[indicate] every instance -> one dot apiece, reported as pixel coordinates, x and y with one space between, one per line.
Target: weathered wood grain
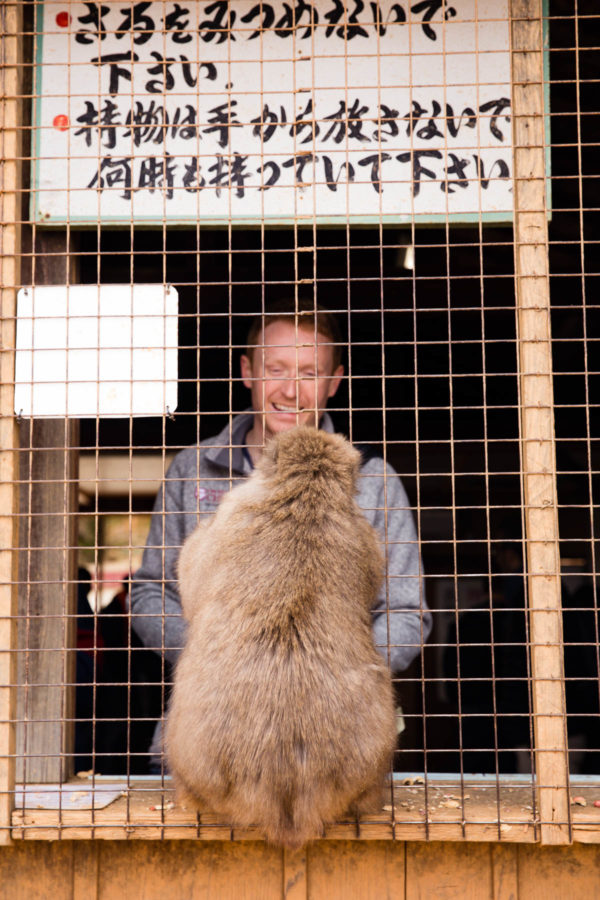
10 238
537 420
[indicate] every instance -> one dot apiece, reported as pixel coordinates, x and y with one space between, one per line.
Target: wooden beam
10 236
47 569
537 420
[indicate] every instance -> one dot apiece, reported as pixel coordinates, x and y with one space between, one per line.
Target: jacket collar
228 449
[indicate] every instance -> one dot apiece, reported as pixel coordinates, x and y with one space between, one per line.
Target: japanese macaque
282 713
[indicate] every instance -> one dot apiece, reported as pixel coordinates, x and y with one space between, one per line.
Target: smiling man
292 367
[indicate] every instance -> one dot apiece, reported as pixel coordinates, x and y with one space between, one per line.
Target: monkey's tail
296 820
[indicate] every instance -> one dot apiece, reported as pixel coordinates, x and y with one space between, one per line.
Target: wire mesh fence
426 176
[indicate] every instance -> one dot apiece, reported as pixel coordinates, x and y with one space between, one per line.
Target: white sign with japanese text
242 111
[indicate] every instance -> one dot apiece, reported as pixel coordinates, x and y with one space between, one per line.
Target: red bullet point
63 19
61 123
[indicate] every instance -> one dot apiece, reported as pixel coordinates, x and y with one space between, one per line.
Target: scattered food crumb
85 774
160 806
579 801
388 808
77 795
504 827
451 804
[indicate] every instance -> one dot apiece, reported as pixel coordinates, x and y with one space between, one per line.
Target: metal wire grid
432 383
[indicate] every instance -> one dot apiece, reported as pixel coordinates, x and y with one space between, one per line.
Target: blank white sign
89 350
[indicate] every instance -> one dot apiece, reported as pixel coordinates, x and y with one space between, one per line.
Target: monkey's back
282 713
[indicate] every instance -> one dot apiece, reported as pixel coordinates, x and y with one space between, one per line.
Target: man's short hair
308 316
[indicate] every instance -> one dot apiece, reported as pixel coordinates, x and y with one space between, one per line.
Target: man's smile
280 407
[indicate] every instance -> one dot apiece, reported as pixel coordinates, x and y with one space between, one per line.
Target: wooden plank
196 871
537 421
294 882
37 871
47 570
146 813
351 870
559 873
208 871
436 870
10 243
504 872
86 870
42 825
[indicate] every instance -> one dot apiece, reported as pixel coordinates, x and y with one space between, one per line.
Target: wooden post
10 234
47 570
537 421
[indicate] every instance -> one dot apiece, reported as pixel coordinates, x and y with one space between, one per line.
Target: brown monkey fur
282 712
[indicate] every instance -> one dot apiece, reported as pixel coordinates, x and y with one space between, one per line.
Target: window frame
538 473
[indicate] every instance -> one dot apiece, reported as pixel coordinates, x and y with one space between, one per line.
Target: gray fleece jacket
194 486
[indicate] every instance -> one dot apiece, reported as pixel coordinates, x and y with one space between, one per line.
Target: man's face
291 378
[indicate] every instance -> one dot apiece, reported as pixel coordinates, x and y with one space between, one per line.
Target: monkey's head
305 454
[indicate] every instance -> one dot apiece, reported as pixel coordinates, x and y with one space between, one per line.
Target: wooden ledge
438 811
